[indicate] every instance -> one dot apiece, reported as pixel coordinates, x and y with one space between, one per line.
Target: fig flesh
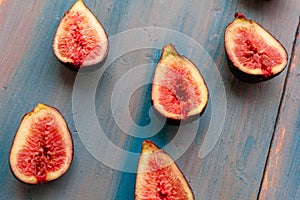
42 149
179 91
80 40
158 176
254 54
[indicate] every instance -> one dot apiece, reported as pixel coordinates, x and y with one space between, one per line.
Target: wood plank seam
279 108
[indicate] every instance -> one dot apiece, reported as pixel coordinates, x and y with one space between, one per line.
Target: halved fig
80 40
42 149
179 91
158 176
254 54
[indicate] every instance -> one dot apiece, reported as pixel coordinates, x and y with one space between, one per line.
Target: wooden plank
232 170
282 174
17 21
31 75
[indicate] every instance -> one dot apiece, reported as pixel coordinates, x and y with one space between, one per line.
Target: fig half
158 176
42 149
179 91
80 40
254 54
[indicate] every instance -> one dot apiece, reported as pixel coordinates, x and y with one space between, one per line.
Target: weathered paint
282 174
235 166
17 22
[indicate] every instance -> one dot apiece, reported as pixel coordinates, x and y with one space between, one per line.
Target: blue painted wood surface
282 174
236 166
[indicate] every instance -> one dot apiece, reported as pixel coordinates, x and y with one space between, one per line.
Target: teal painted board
30 73
36 76
282 175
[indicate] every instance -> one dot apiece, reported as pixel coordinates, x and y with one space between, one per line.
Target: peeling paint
279 145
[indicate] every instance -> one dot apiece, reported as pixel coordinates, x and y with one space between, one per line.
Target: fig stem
169 50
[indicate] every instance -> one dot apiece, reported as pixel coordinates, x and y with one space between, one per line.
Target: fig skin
178 122
169 51
156 160
247 76
18 144
90 68
86 65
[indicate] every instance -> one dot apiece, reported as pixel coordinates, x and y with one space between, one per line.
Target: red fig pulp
42 149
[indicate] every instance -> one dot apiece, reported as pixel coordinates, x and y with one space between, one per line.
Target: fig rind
179 92
80 41
258 57
42 149
158 176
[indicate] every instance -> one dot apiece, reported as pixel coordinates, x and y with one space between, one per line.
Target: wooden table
257 150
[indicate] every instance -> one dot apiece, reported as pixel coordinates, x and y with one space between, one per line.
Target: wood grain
282 174
30 73
17 22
